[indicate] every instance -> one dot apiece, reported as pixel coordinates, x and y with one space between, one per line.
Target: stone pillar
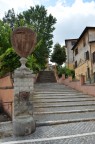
82 79
23 121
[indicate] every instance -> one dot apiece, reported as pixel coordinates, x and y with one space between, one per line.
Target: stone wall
6 94
86 89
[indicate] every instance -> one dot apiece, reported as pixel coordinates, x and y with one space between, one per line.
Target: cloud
18 5
72 15
71 20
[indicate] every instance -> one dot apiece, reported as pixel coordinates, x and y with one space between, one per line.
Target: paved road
62 114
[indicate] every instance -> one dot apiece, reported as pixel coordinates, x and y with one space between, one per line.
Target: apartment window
93 56
87 55
76 51
84 42
73 43
73 58
73 55
75 64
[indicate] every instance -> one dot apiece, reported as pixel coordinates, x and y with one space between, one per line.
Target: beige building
69 43
84 55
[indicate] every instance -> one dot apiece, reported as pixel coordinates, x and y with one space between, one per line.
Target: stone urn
23 41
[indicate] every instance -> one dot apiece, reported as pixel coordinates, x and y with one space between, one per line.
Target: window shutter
85 55
75 64
94 57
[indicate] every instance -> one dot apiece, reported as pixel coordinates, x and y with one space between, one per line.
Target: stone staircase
46 77
59 104
63 116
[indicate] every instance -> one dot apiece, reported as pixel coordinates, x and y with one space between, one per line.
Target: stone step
57 92
51 85
60 101
44 95
59 122
46 76
55 88
63 105
54 109
37 97
64 118
64 112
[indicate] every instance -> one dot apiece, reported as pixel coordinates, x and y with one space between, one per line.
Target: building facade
69 43
84 55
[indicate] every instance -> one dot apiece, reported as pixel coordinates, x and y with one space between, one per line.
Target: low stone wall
86 89
6 94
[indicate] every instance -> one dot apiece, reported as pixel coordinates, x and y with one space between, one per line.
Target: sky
72 15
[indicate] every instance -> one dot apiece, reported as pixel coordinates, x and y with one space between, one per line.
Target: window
76 51
93 57
84 42
75 64
73 55
73 43
87 55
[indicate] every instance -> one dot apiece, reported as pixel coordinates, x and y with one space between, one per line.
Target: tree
66 71
59 55
44 27
43 24
5 32
9 61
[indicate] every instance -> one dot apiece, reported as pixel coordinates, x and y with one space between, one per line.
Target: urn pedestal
23 41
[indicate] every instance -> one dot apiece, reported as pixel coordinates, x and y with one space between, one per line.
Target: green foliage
37 60
66 71
59 55
5 32
42 23
9 61
10 17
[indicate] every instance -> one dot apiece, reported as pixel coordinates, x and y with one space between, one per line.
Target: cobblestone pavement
68 117
58 131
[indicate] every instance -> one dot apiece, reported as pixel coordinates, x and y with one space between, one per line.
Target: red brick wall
6 93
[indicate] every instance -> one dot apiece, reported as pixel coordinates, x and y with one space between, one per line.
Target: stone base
24 125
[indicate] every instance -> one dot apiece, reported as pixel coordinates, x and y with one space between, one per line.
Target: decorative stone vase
23 41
